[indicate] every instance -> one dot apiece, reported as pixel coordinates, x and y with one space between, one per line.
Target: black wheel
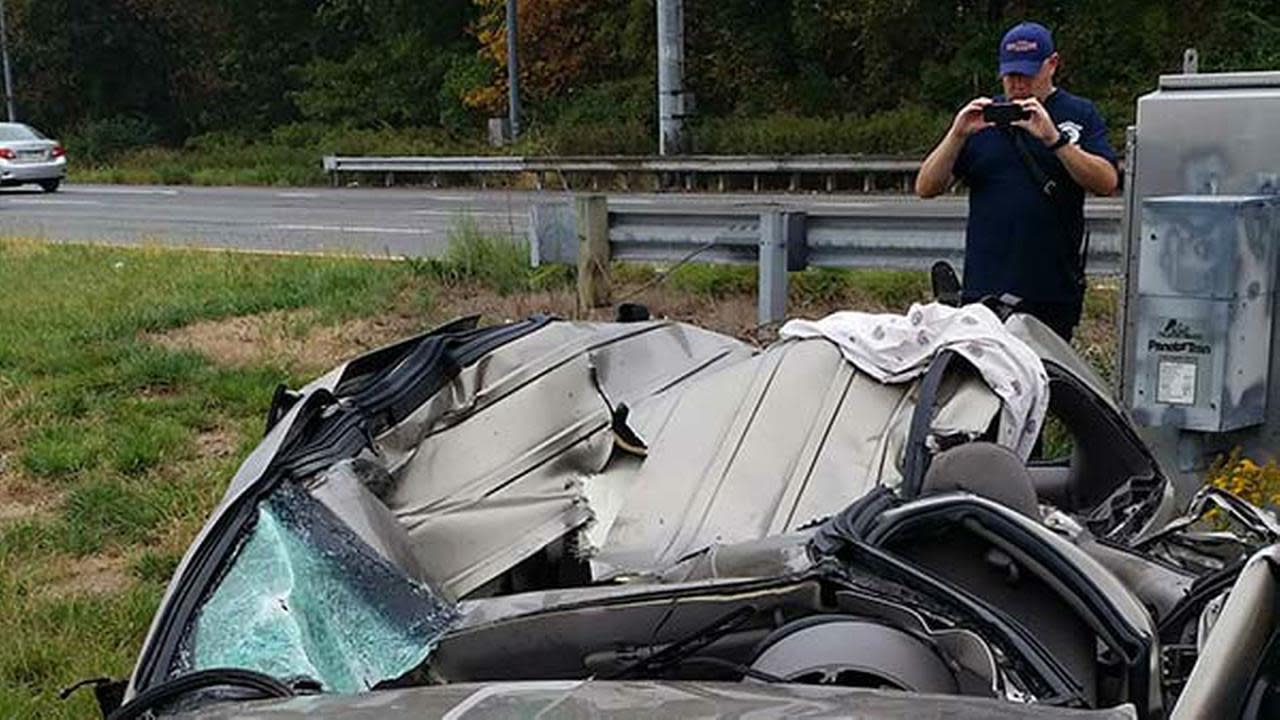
50 185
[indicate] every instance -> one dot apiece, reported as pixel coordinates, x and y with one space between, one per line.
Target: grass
116 442
102 430
497 262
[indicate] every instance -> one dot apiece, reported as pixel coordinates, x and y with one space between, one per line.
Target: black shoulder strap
1049 187
1042 180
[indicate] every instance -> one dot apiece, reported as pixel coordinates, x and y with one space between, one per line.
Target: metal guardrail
687 168
910 236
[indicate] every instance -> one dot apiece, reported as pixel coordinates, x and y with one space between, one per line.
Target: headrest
986 469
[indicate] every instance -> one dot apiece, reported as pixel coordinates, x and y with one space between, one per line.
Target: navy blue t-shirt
1016 240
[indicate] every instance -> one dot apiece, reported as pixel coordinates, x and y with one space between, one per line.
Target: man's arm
936 172
1091 172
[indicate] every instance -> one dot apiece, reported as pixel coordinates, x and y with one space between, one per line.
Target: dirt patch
464 299
292 338
91 575
733 314
328 345
217 443
233 341
296 340
19 498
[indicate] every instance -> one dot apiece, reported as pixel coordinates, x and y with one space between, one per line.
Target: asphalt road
364 221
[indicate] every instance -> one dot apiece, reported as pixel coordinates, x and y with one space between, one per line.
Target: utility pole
8 77
671 96
513 71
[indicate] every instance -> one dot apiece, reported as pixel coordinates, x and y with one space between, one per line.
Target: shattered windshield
305 598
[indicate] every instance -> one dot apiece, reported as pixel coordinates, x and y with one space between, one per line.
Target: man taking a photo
1027 167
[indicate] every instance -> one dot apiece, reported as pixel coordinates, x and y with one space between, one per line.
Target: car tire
50 185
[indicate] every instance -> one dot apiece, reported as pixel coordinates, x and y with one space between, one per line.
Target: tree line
162 71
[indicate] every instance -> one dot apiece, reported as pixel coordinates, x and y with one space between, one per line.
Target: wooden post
591 221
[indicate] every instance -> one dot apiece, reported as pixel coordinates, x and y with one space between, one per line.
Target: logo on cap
1020 46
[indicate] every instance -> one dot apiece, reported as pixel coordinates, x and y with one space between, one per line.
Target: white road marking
123 191
51 201
632 201
463 213
451 198
852 204
354 229
297 195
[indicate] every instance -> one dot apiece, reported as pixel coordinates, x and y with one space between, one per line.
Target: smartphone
1004 113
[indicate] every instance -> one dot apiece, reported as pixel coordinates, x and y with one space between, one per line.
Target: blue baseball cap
1024 49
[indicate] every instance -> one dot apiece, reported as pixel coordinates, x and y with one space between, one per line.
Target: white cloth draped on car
898 348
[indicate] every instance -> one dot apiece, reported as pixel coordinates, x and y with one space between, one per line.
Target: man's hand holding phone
1004 113
970 118
1037 123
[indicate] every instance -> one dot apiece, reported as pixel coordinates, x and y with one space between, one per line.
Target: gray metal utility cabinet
1199 365
1206 293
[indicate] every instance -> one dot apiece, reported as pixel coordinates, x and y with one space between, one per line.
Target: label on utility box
1176 382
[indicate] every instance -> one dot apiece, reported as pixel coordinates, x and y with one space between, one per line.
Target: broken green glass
306 598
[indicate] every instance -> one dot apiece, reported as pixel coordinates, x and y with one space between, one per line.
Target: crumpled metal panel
765 447
306 598
1237 643
518 449
351 489
494 466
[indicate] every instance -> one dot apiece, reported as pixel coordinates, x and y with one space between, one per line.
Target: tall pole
513 71
671 97
8 77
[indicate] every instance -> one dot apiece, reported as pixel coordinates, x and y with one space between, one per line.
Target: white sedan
27 156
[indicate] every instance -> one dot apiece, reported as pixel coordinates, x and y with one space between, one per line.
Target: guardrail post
591 220
782 248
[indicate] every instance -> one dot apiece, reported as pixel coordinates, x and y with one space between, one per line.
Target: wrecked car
574 518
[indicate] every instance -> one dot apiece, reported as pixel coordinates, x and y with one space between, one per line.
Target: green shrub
620 137
820 285
906 130
552 277
466 72
99 141
497 262
896 289
714 280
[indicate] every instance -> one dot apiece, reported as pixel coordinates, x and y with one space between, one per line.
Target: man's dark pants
1062 318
